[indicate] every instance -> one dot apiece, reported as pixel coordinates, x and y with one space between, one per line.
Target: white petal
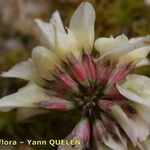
100 146
143 111
143 127
57 22
136 128
136 88
24 70
104 44
146 144
123 120
25 97
48 32
137 55
147 2
111 143
48 29
126 48
70 147
132 40
25 113
45 61
101 134
143 62
66 44
81 132
82 25
59 41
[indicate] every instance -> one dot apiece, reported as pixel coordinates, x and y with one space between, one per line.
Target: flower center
87 84
78 81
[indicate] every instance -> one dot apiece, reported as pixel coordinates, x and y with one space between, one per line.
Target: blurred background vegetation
18 36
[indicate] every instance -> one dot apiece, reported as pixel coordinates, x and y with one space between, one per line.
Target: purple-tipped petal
101 134
80 132
66 81
79 71
112 92
90 67
56 103
120 73
135 128
105 104
104 72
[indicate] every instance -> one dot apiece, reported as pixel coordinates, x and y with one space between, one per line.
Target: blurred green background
19 35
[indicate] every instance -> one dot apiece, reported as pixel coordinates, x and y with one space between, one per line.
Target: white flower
64 75
147 2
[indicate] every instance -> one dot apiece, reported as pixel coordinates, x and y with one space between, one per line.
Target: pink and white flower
64 75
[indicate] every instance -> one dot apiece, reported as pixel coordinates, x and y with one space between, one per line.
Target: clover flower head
65 75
